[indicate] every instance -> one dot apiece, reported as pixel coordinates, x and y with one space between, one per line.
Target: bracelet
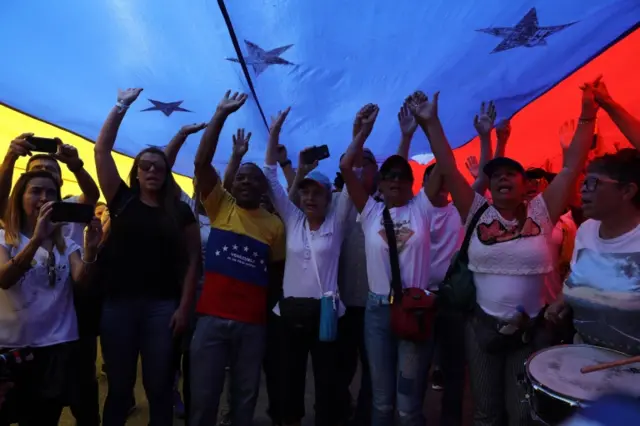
77 169
89 263
121 106
585 120
285 163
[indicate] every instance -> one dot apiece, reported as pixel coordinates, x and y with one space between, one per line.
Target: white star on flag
225 248
255 254
246 248
235 247
217 252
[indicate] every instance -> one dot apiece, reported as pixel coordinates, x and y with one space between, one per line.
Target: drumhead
558 370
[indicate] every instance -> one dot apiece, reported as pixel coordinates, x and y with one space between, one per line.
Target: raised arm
627 123
68 154
365 119
426 114
279 197
205 173
408 127
19 147
240 148
173 148
285 165
108 175
483 123
556 196
302 172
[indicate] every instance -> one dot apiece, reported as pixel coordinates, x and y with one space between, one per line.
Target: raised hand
128 96
44 227
278 121
304 168
503 130
601 93
241 143
566 132
67 154
369 114
190 129
472 165
484 120
92 234
20 146
422 109
589 105
231 103
407 123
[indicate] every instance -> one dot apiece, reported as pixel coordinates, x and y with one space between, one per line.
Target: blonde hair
14 214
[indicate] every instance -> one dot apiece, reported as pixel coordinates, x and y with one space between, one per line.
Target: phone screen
72 212
48 145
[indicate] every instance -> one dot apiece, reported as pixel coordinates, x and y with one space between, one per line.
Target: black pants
352 349
186 385
84 403
42 387
271 367
297 341
450 338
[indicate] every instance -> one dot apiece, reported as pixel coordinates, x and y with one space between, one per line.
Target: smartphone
48 145
72 212
315 153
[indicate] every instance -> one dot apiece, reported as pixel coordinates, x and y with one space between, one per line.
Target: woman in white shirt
399 368
509 255
603 289
37 268
314 237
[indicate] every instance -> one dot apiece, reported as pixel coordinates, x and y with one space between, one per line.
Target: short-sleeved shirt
604 288
412 224
33 312
241 245
145 252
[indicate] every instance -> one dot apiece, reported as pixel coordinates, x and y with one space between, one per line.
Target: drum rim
557 394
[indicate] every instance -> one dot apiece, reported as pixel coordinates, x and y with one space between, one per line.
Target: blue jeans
218 342
399 369
132 328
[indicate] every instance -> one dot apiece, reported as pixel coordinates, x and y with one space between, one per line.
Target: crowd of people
247 276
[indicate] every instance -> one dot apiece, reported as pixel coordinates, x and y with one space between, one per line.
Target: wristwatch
285 163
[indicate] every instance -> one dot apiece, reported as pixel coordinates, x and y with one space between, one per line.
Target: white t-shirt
32 313
604 287
412 224
509 265
447 234
311 263
74 231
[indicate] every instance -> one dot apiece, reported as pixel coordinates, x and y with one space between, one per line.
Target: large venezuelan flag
235 277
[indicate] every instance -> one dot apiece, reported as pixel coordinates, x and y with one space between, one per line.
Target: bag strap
396 279
313 256
463 254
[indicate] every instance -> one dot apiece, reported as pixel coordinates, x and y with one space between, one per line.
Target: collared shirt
302 266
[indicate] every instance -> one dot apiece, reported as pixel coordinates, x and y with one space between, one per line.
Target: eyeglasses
395 174
51 269
146 165
591 183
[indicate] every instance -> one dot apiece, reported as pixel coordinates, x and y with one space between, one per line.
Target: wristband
86 262
121 106
78 168
285 163
585 120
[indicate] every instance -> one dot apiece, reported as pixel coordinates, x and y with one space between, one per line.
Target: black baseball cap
536 173
399 161
500 162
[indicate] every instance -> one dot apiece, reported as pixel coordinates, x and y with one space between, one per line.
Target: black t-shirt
145 252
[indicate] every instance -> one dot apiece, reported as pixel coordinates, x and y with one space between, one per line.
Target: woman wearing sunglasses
37 268
148 270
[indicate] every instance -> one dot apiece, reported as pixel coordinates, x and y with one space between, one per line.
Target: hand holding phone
315 153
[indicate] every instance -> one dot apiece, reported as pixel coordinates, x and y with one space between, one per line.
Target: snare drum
556 388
